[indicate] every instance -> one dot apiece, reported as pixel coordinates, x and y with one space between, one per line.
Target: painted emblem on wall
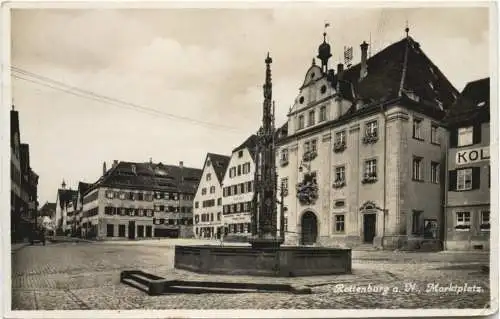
307 190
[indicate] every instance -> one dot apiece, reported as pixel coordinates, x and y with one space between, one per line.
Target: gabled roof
250 143
48 208
399 68
472 104
82 187
150 176
219 163
66 196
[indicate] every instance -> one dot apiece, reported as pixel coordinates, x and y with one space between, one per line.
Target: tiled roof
151 176
82 187
473 102
250 143
402 66
66 196
219 163
48 208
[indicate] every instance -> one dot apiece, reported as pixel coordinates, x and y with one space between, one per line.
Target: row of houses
386 153
24 184
130 200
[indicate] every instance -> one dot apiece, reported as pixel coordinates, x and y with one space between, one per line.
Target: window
434 134
434 172
340 137
371 128
417 129
203 191
465 136
284 155
284 186
339 174
240 153
209 176
463 221
301 122
313 146
415 223
196 204
417 169
122 195
249 186
485 221
285 222
307 147
464 179
212 189
322 114
218 216
312 118
339 223
219 201
109 194
371 168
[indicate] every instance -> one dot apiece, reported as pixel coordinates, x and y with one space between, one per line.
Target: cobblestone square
73 276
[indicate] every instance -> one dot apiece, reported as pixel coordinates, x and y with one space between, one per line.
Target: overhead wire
35 78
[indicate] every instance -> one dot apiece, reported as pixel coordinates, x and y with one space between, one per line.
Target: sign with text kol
473 155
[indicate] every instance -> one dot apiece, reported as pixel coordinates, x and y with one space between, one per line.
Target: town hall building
361 155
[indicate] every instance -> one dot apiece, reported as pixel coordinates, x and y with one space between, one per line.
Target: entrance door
309 228
369 223
131 229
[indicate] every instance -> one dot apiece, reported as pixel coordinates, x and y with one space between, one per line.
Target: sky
203 65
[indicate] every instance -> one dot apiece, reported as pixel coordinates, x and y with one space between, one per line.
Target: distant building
208 221
469 170
362 154
48 209
238 189
82 188
141 200
65 209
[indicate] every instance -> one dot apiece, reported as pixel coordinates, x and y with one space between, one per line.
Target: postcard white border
5 271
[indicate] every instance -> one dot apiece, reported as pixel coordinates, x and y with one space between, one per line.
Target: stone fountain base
284 261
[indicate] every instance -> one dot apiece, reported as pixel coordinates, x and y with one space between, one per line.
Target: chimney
115 163
364 55
104 170
181 164
150 160
340 71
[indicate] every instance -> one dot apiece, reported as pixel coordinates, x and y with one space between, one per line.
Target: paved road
69 276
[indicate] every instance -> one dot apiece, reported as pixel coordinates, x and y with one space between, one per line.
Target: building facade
207 209
238 190
468 183
362 147
65 209
24 184
141 200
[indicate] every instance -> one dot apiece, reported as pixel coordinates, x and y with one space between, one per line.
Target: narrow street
71 276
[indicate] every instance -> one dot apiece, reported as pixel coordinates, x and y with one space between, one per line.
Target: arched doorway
309 228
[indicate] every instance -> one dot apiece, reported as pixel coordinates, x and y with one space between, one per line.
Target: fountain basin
285 261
